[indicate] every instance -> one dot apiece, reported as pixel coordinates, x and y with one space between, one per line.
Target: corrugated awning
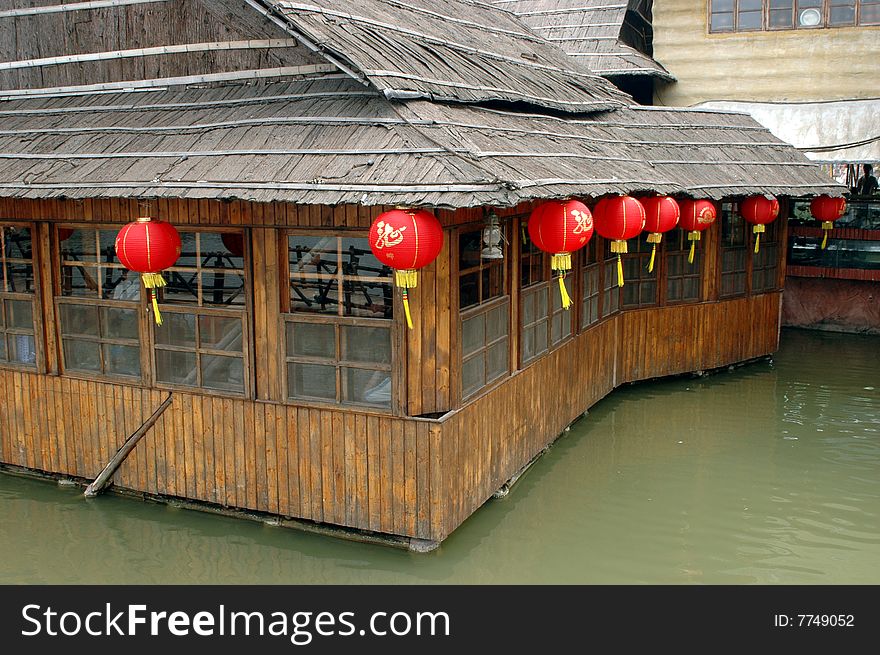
835 131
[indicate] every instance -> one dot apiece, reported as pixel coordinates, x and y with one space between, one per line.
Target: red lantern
234 243
148 247
560 228
696 216
406 240
759 210
619 218
661 215
827 209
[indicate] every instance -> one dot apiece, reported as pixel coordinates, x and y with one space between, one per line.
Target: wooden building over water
272 133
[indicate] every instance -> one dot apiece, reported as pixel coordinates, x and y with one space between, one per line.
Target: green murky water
766 474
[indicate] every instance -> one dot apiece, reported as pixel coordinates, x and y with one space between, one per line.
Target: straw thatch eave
331 141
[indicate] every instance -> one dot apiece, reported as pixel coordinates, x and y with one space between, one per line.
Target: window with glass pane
485 312
764 266
869 12
780 14
339 362
338 275
734 252
590 280
97 305
201 342
751 15
640 287
338 322
682 277
485 347
479 280
17 343
610 289
543 322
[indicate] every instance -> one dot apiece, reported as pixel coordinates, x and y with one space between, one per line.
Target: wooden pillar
711 253
267 326
45 323
429 344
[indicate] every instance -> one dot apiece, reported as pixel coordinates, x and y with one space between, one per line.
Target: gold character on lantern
388 236
583 222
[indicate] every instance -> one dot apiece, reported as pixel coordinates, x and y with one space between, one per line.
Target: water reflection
764 474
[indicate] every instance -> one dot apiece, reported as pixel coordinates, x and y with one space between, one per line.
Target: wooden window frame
609 288
766 11
146 327
760 262
642 257
743 248
338 320
692 271
546 283
487 265
588 263
505 265
35 298
483 351
59 300
243 311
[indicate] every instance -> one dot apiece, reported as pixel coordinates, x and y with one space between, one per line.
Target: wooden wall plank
341 499
268 485
316 477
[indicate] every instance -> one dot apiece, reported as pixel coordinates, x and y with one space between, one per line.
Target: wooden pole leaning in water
103 479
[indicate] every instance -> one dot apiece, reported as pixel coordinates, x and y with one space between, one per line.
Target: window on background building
98 302
590 281
337 319
484 302
640 287
201 342
764 262
683 278
734 251
17 343
543 322
755 15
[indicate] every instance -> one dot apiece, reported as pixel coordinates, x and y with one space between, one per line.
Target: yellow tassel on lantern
827 226
758 230
653 237
153 281
619 247
693 237
406 279
566 299
561 261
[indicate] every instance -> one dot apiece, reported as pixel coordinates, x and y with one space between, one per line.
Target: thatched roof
447 50
589 31
331 141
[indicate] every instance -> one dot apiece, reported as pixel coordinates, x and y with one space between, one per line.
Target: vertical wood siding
365 470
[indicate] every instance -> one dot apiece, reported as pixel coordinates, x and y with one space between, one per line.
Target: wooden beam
218 153
308 43
134 85
73 6
253 44
105 475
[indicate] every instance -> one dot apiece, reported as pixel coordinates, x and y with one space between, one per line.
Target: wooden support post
103 479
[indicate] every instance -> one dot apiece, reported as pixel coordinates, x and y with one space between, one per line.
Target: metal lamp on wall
493 237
